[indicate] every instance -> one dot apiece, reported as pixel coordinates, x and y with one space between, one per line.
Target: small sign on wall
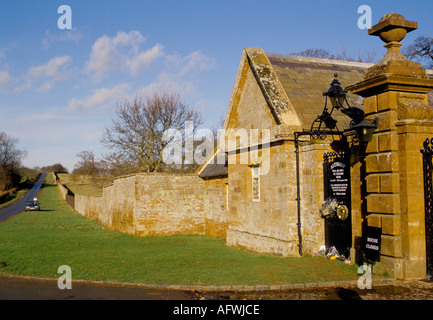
372 243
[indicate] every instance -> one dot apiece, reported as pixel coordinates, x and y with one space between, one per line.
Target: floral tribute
331 208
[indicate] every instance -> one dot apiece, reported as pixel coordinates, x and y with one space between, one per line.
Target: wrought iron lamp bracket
325 124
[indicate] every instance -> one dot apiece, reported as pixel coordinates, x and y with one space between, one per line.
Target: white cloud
45 87
40 117
61 35
141 62
191 64
121 53
179 74
45 75
101 98
6 81
42 77
54 69
169 83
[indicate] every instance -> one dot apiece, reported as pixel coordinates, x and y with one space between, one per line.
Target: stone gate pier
395 90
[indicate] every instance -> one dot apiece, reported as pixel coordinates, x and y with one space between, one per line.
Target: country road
19 206
22 288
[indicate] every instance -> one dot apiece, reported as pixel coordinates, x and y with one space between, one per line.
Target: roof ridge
318 60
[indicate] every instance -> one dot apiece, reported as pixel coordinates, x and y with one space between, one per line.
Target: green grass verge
82 184
16 197
37 243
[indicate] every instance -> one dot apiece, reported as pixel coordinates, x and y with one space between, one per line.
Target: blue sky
59 88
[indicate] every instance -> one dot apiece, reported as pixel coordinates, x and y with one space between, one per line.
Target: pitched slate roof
212 168
305 79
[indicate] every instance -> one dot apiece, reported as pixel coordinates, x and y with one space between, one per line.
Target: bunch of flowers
331 208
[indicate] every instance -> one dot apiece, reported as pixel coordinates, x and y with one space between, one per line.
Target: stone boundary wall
169 205
148 205
65 193
62 189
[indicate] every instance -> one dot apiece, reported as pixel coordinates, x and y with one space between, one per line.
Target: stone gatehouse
262 188
281 94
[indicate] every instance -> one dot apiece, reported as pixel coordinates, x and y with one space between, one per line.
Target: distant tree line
369 56
57 167
13 175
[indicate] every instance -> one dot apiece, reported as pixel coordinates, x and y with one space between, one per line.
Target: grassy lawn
82 184
37 243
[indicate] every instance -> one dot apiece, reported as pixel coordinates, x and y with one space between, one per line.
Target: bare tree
137 132
90 166
421 50
116 164
87 163
314 53
10 161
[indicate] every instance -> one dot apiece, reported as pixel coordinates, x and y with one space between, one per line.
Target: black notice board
336 182
372 243
339 178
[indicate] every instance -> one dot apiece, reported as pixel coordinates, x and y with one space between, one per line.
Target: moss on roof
305 79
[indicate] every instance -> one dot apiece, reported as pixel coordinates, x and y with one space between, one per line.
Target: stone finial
392 29
394 72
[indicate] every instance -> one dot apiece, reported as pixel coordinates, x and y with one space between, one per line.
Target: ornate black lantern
325 124
365 129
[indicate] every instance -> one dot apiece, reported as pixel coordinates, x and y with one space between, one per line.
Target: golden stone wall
157 205
267 225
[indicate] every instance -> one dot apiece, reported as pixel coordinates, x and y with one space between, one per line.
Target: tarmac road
22 288
28 288
19 206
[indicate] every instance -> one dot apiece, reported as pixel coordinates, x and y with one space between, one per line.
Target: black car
33 205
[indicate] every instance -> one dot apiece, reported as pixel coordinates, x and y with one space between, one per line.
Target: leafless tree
10 161
87 164
314 53
116 164
421 50
90 166
137 131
